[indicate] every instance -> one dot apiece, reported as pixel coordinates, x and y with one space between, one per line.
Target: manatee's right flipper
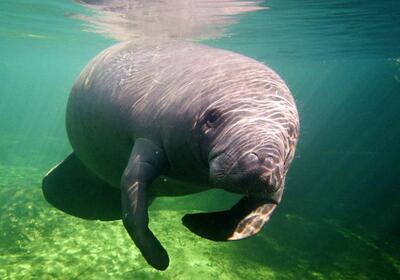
74 189
146 163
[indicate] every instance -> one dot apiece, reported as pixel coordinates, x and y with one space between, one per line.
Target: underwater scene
339 216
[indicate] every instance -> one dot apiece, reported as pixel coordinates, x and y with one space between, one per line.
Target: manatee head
249 135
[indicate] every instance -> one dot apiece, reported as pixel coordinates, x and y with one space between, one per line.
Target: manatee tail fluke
72 188
244 219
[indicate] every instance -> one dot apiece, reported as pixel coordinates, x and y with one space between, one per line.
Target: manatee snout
259 172
256 173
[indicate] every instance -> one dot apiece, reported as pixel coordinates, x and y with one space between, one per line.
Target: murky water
340 214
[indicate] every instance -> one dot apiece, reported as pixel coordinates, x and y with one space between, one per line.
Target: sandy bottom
41 242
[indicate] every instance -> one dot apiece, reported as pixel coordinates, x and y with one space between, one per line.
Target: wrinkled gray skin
175 118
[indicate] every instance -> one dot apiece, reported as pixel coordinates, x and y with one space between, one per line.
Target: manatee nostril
253 157
269 162
261 158
270 158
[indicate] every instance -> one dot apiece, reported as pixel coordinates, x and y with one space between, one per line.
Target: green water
340 214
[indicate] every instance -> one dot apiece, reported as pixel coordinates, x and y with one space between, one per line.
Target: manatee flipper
74 189
244 219
145 164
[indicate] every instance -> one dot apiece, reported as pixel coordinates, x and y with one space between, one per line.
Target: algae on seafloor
41 242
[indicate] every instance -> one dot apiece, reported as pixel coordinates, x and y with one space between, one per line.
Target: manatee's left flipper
146 163
243 220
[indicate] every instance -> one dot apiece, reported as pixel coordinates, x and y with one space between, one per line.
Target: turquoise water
340 214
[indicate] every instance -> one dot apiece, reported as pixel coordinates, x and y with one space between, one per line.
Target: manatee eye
212 117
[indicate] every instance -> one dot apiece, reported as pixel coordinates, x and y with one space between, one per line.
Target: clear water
340 215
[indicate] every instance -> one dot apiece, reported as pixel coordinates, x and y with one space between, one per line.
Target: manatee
174 118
